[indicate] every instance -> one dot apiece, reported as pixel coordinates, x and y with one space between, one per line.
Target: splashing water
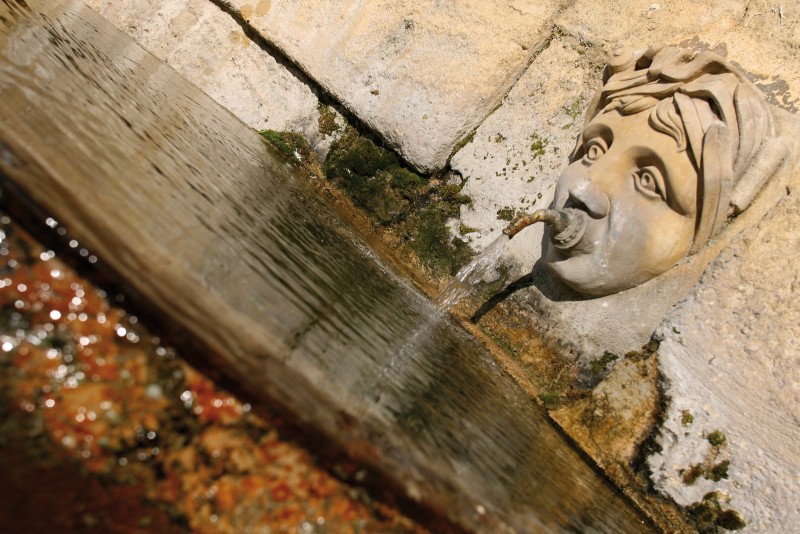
468 276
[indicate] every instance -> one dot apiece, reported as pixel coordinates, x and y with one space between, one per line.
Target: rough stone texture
730 358
762 36
208 48
423 73
614 420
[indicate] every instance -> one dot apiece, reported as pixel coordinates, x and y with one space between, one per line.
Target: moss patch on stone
470 137
710 468
686 418
716 438
600 365
401 200
506 214
327 120
710 516
538 145
295 147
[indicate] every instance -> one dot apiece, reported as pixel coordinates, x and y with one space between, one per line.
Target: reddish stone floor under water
103 428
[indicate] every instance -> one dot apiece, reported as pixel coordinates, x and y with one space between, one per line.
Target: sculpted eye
649 182
594 149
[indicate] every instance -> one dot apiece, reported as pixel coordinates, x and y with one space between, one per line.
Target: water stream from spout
468 277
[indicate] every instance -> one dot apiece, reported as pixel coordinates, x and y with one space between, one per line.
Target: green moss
283 141
730 520
710 516
433 244
464 142
652 346
506 214
295 147
691 475
717 438
549 399
601 364
463 229
394 196
686 418
574 109
538 145
499 138
327 120
719 471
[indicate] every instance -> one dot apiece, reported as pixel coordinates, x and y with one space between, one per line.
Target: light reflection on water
143 165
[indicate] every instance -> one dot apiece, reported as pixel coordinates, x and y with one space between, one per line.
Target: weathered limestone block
208 48
421 73
618 416
729 356
761 36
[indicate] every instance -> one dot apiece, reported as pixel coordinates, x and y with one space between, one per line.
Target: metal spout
567 226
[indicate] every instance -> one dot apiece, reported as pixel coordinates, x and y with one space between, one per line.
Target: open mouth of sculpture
570 230
567 226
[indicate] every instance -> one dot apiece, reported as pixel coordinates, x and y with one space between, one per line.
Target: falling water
465 280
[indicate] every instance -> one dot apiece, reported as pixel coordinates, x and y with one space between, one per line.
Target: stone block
208 48
420 73
518 152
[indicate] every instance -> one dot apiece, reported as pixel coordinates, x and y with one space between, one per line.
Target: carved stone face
639 193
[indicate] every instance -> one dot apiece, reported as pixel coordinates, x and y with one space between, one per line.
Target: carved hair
709 108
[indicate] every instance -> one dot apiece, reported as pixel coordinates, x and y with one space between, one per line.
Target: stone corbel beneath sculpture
678 154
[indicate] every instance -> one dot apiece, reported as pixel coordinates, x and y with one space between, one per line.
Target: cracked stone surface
208 48
423 73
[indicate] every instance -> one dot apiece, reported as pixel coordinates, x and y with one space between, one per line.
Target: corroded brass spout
567 226
557 220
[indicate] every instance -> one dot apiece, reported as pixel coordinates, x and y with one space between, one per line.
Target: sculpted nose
584 192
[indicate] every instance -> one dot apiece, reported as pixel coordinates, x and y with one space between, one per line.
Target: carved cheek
669 240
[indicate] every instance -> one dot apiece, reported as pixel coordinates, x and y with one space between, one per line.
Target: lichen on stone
327 120
710 516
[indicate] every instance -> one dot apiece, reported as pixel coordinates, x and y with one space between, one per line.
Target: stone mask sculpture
670 150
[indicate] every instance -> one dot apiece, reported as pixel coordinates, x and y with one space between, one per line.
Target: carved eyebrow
592 131
598 130
674 199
